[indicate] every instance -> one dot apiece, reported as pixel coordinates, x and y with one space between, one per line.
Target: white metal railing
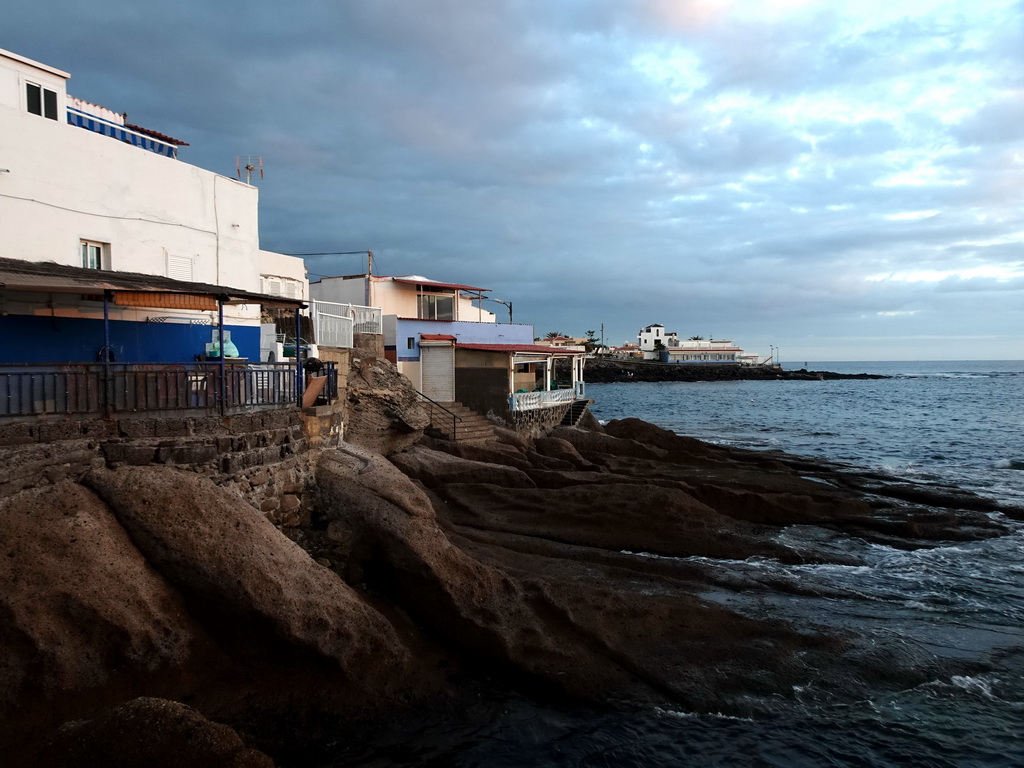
330 317
333 331
528 401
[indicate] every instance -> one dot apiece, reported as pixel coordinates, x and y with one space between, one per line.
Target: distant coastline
610 371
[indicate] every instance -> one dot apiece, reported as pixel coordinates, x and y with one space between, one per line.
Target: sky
831 180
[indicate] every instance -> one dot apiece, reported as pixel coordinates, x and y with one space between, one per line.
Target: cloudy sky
843 181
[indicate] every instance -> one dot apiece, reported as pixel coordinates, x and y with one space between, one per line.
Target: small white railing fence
335 323
528 401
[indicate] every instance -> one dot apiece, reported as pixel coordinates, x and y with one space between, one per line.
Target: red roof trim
433 284
521 348
437 337
156 135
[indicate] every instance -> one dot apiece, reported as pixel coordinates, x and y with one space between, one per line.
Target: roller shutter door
438 369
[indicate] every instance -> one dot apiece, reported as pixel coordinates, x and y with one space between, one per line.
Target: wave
1009 464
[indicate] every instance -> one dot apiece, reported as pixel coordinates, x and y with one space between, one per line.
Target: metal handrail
434 404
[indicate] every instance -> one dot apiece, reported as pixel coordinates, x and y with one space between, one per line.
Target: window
41 101
410 342
92 254
436 307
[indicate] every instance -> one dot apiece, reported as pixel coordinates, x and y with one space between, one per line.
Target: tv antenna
252 165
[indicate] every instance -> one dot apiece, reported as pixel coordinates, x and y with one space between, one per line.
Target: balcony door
437 366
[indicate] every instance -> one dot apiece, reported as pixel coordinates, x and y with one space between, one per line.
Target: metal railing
528 401
434 409
363 319
334 330
97 388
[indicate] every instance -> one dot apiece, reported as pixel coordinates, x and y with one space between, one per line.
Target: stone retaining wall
267 457
537 421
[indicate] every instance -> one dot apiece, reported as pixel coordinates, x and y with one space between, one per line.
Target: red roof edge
540 350
156 135
436 337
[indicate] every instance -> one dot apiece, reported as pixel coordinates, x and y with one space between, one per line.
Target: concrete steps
575 412
469 426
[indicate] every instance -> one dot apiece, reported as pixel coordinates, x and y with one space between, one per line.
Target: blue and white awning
121 133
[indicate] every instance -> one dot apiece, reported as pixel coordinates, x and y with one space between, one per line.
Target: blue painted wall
33 339
465 332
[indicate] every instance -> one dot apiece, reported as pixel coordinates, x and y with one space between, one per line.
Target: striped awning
121 133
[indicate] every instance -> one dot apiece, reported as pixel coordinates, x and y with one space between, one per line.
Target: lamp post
499 301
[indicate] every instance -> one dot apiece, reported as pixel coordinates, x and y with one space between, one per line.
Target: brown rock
150 733
434 467
85 620
634 517
384 413
250 584
596 443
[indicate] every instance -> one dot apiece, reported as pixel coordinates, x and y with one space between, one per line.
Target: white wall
16 70
66 184
286 273
340 290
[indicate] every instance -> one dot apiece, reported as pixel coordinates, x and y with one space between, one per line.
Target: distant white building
652 338
658 344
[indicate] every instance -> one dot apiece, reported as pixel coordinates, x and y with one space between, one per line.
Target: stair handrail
434 404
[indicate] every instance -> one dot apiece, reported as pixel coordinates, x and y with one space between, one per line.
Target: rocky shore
605 371
153 616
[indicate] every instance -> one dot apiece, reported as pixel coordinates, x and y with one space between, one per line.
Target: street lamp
499 301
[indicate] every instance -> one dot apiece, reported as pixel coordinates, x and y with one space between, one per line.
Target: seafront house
113 252
657 344
457 355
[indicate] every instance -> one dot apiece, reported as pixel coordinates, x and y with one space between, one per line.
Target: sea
956 423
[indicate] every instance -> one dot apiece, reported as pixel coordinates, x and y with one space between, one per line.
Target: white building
452 349
653 338
657 344
80 187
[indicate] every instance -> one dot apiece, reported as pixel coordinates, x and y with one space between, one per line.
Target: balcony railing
335 323
98 389
528 401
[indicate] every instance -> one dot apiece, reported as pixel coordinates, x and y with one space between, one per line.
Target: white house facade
81 187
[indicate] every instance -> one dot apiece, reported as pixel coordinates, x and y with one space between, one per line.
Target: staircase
576 410
469 425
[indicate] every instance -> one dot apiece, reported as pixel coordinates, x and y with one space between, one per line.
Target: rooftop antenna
251 166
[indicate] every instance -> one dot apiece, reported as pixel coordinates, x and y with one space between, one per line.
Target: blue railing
102 389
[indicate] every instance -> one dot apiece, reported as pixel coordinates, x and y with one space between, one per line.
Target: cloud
738 165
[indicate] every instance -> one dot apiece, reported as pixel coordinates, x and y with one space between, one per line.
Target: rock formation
574 565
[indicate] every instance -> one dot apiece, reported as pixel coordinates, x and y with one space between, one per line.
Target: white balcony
335 324
530 401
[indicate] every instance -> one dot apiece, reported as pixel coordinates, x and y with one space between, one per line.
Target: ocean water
955 423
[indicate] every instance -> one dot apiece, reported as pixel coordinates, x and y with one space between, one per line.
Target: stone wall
267 457
536 422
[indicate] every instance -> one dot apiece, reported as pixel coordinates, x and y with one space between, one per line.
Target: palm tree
554 335
696 338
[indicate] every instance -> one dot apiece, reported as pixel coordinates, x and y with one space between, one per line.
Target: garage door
438 369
